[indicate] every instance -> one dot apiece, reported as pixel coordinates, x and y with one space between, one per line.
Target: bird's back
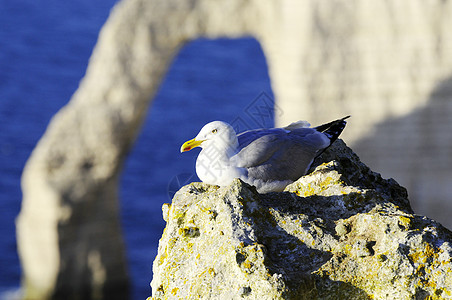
279 154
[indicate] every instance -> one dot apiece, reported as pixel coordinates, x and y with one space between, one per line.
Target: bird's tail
333 129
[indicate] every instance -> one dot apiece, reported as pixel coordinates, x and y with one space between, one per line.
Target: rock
340 232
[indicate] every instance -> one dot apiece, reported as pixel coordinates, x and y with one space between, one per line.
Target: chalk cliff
341 232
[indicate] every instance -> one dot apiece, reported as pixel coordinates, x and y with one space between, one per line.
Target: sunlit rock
340 232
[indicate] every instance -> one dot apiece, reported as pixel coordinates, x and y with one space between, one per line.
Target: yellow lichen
178 214
318 187
424 255
174 291
163 256
347 248
309 191
172 243
405 221
189 231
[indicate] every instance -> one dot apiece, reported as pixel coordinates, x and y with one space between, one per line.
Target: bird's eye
214 131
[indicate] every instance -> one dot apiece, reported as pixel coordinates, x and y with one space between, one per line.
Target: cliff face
341 232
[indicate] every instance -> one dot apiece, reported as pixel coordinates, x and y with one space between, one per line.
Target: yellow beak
188 145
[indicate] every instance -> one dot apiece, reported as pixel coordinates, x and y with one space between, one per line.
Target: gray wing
245 138
279 154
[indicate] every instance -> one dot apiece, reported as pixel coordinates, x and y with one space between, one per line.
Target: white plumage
269 159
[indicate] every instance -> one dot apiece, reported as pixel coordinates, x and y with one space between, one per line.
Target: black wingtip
333 129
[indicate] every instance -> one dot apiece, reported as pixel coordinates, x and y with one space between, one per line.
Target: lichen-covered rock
340 232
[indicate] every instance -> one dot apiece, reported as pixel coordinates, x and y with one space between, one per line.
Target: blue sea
45 46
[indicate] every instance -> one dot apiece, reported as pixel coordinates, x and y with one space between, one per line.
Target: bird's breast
216 170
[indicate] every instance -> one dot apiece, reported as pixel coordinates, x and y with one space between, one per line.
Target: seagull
269 159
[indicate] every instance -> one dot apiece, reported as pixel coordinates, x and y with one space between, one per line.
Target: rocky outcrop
340 232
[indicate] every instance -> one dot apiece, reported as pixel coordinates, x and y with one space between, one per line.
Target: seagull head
217 133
